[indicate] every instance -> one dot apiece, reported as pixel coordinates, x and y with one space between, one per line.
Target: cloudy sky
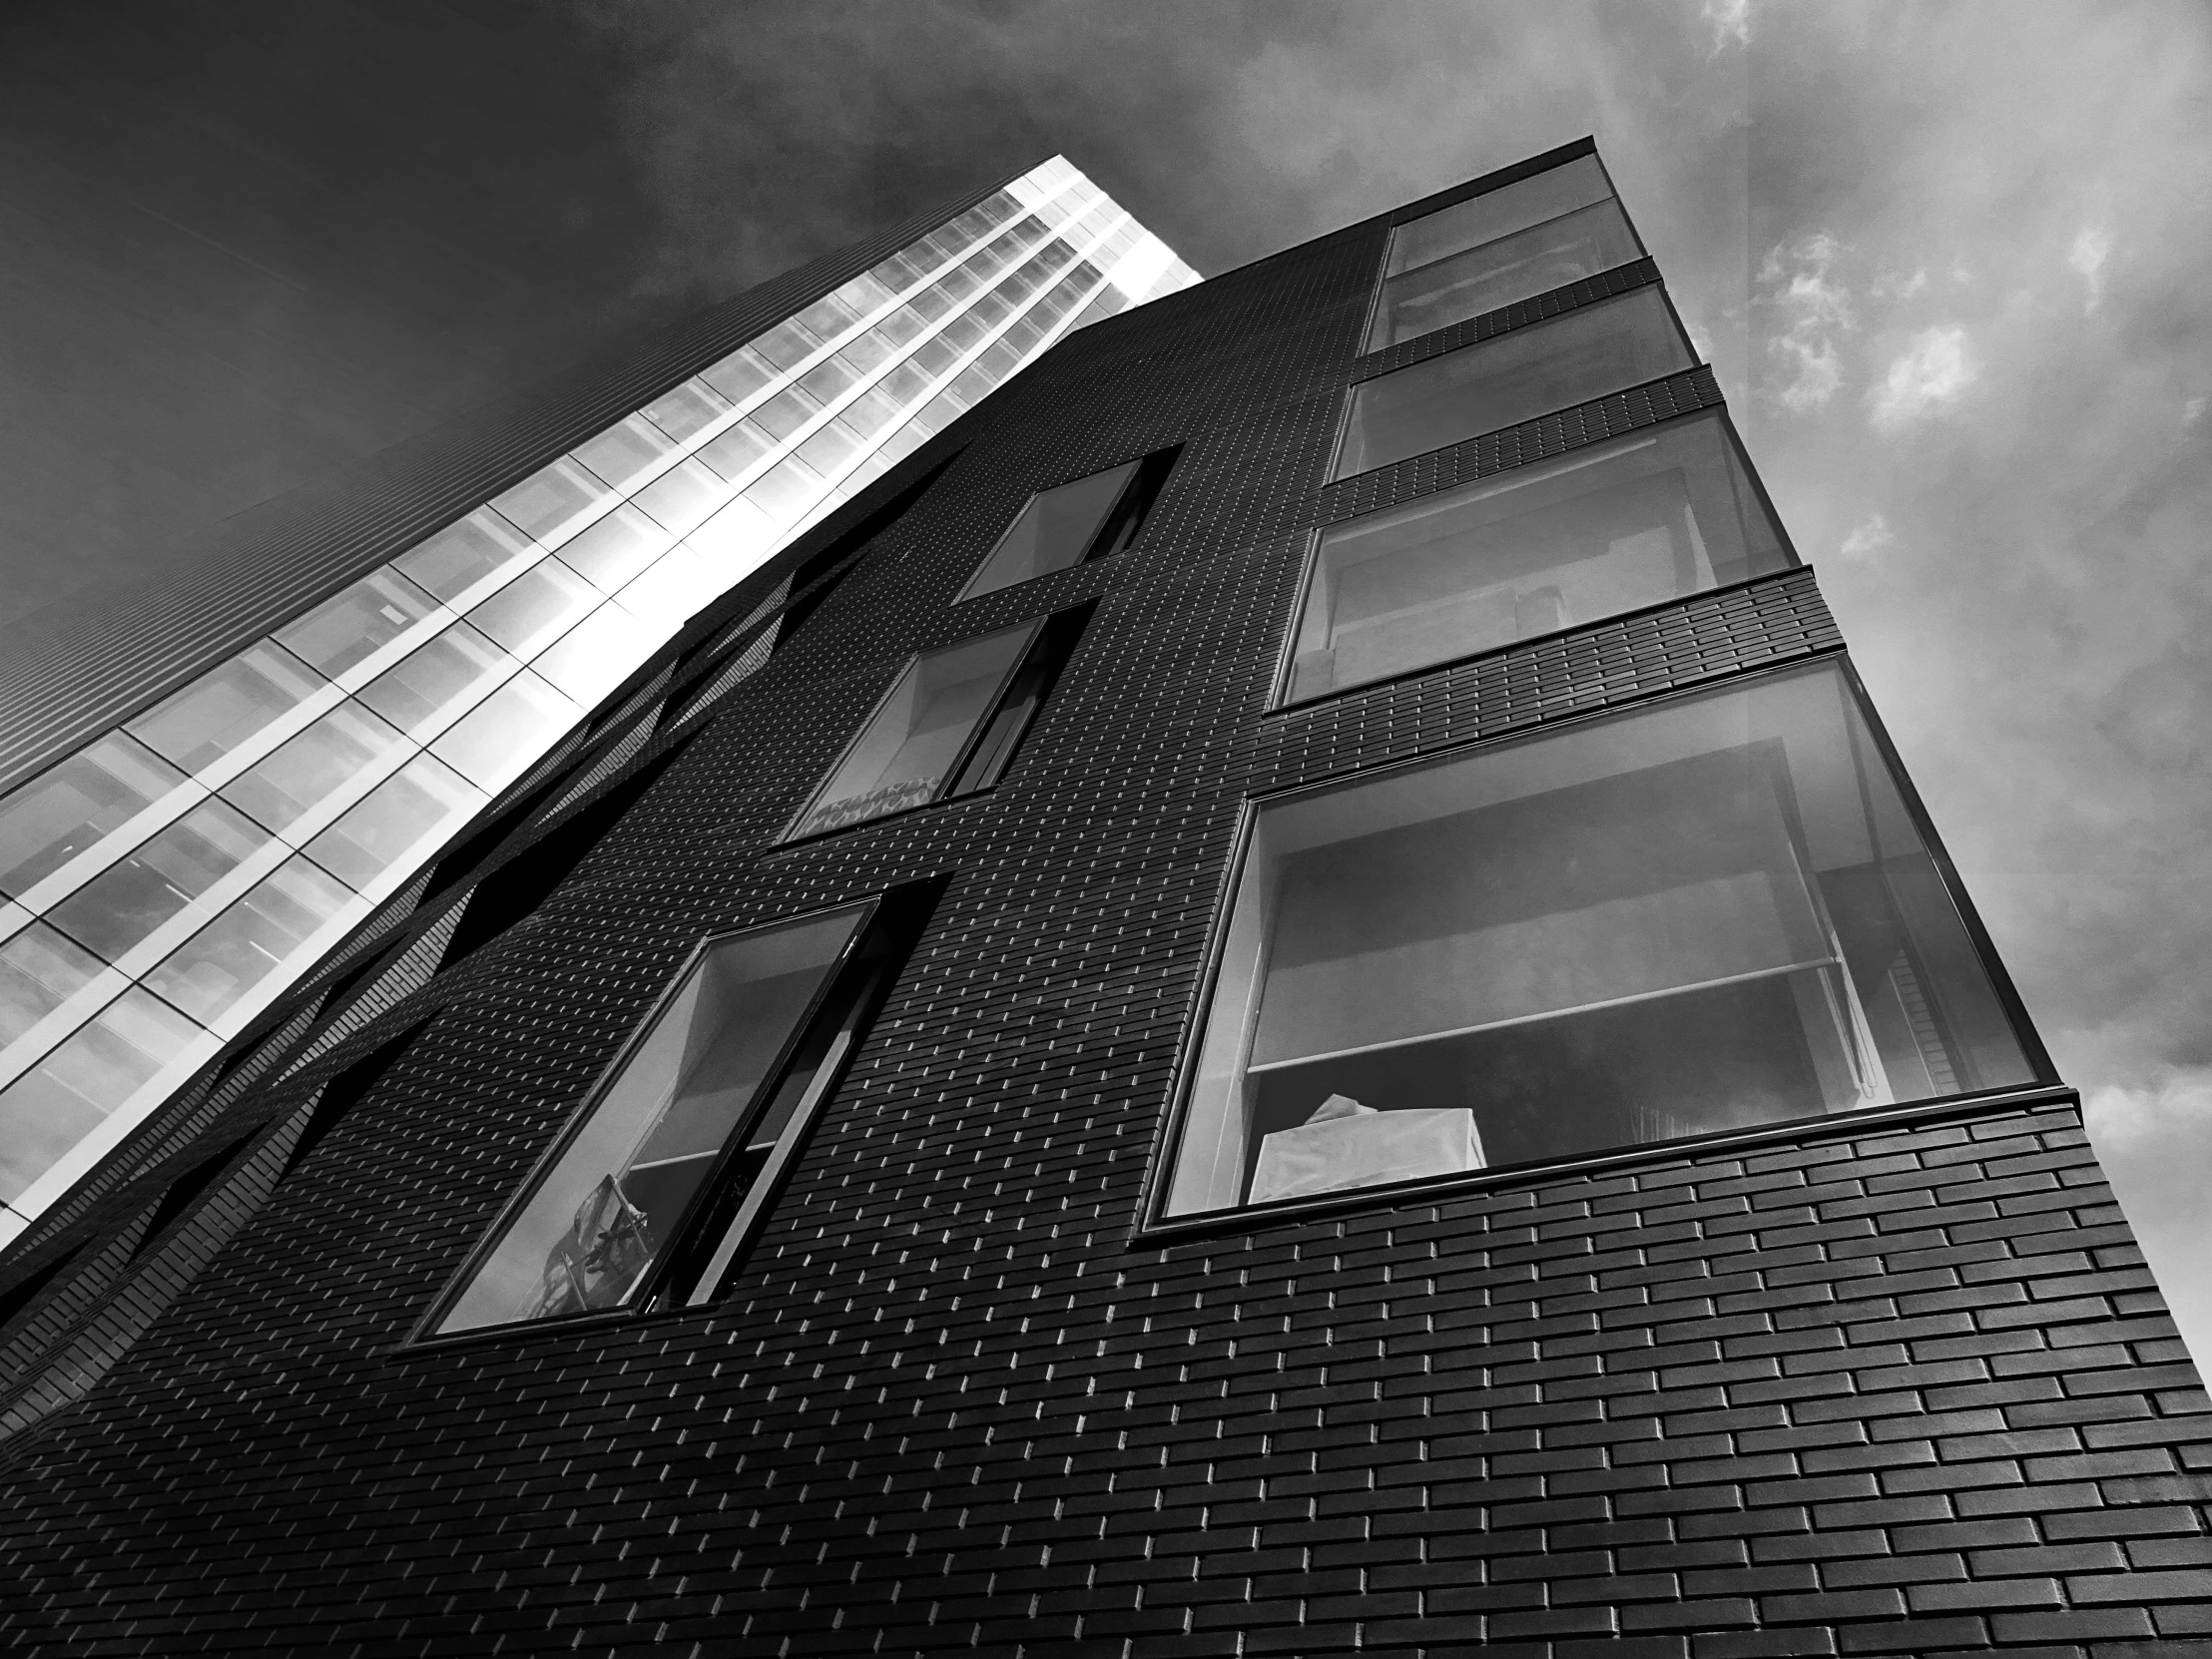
1948 259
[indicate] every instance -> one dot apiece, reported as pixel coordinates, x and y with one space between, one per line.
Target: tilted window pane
314 767
67 1095
536 608
1497 212
552 502
492 743
1502 272
624 453
596 654
351 624
682 496
785 490
611 1199
428 689
1633 522
125 903
610 552
226 706
1052 532
66 809
39 972
733 451
463 554
1715 913
784 347
691 407
1533 371
399 823
272 928
910 744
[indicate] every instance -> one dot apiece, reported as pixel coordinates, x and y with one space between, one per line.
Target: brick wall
1887 1384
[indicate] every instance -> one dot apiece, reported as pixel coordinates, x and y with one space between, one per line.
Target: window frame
685 1247
1154 1223
1149 472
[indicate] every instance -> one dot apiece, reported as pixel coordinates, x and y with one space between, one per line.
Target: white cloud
1931 372
2090 246
1814 310
2192 411
2120 1116
1730 20
1868 541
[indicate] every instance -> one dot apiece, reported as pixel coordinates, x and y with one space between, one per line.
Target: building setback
1279 997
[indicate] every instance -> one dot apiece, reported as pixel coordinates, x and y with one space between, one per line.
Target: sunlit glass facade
159 887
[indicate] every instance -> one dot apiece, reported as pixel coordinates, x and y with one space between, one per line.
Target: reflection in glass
683 495
39 972
354 623
691 407
64 809
536 608
427 689
262 932
552 502
463 554
739 376
1497 273
910 744
62 1098
610 552
396 824
1712 915
612 1198
127 901
1529 551
1497 212
595 656
731 451
226 706
625 452
1516 377
1053 531
494 742
312 768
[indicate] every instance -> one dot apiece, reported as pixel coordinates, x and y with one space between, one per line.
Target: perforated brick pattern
1873 1387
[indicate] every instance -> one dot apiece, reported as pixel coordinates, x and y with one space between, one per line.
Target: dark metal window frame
1140 493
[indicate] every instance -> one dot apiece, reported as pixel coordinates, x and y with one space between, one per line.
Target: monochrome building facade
1277 996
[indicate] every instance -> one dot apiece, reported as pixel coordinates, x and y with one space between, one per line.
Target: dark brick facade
1895 1384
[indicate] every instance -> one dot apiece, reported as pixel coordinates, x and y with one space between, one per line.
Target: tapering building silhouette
1279 997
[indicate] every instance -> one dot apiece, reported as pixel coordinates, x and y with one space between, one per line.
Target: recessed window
1091 518
1496 249
1516 377
659 1181
948 725
1645 518
1713 915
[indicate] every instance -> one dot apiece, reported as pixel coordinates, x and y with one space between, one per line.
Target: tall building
1295 1006
227 774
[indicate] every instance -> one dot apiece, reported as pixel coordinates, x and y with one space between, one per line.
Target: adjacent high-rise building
207 816
1280 997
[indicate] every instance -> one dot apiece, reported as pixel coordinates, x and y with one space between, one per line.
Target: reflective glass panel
610 552
691 407
682 496
552 502
351 624
1502 272
39 972
536 608
226 706
741 374
492 743
398 824
270 928
1497 212
625 452
596 654
1052 532
427 689
463 554
611 1199
731 451
64 809
62 1098
313 767
1713 914
125 903
1645 518
1516 377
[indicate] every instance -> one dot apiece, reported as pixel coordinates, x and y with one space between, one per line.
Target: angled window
1645 518
657 1183
948 725
1532 371
1500 247
1091 518
1715 913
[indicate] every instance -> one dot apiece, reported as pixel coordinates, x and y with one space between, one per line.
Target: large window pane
691 407
226 706
398 824
536 608
1053 531
1498 274
429 688
492 743
1633 522
1713 915
625 452
907 751
682 496
272 928
1480 388
67 1095
553 502
312 767
129 900
353 624
39 972
611 1199
597 655
1497 212
68 807
610 552
461 555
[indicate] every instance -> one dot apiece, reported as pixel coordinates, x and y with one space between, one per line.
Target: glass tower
160 886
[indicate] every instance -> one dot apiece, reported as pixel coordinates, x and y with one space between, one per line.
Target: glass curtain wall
161 886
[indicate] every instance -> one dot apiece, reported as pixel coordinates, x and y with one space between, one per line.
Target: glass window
494 742
786 413
226 706
786 346
910 745
1091 518
597 655
732 452
830 447
692 1104
1516 377
397 824
39 972
354 624
463 554
67 1095
127 901
428 689
828 317
732 542
314 767
1498 274
683 496
272 927
669 591
67 807
1645 518
626 452
536 608
1497 212
744 373
867 351
552 502
1715 913
826 381
609 553
785 490
693 406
